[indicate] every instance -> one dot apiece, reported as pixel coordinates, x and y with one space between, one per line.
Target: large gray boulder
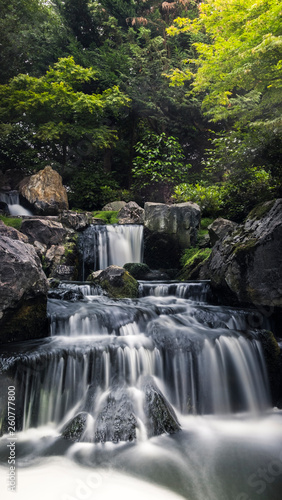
23 289
168 230
45 192
181 221
246 264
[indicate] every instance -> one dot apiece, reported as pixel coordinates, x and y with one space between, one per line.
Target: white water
106 245
204 359
14 206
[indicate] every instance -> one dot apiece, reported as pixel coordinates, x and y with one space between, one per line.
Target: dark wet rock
131 213
161 417
75 428
116 421
4 208
66 294
23 289
246 265
220 228
137 270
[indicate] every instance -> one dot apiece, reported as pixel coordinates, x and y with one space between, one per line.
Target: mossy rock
118 283
192 259
28 321
261 210
137 270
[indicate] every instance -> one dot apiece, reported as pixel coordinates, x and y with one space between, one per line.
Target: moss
14 222
241 249
29 321
260 210
205 223
192 260
110 217
127 288
137 270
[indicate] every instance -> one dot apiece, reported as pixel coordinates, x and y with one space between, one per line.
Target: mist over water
105 359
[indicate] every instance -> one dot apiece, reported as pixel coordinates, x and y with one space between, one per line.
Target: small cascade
11 198
194 291
105 245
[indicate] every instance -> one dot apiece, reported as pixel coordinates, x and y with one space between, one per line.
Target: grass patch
110 217
191 255
14 222
205 222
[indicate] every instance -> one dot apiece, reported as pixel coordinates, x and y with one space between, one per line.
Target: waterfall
168 388
105 245
13 202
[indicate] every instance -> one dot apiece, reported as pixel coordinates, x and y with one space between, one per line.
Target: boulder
137 270
70 294
116 421
220 228
75 428
45 231
246 265
180 221
131 213
12 233
168 230
45 192
23 289
75 220
161 417
114 206
118 283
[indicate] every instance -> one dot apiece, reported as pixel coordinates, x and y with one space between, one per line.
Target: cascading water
105 245
11 198
167 388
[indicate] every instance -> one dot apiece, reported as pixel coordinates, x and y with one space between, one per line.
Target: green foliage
91 188
209 198
14 222
159 163
56 109
240 72
110 217
190 255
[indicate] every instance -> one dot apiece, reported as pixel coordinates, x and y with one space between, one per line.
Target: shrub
209 198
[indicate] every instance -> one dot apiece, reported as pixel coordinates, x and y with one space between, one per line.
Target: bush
209 198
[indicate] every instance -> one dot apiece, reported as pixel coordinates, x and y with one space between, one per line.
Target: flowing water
13 202
174 394
104 245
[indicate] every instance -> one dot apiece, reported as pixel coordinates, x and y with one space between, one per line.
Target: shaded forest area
145 100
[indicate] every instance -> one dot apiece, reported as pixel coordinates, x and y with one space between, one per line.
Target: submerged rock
23 289
71 294
116 422
75 428
45 192
161 417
